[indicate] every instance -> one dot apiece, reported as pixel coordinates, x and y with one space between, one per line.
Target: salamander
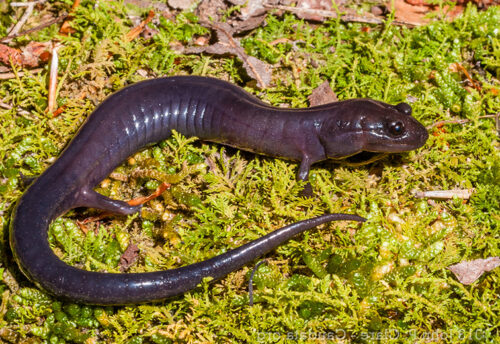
212 110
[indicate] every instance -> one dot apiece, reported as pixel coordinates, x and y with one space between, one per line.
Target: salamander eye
396 128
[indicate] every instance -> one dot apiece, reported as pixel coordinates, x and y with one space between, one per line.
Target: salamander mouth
384 143
395 148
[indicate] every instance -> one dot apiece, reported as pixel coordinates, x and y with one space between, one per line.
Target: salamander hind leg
92 199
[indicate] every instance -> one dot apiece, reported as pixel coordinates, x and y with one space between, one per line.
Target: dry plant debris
468 272
29 56
227 44
129 257
323 94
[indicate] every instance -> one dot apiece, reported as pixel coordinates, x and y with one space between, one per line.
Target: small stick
23 20
141 200
332 14
61 109
136 31
34 29
467 75
54 65
445 194
24 4
5 106
457 121
11 75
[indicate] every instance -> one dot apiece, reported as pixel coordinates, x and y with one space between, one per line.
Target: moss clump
386 278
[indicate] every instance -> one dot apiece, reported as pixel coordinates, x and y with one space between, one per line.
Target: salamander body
211 110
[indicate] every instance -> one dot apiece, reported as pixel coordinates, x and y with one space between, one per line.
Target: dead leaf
29 56
324 5
410 13
415 11
136 31
468 272
201 41
128 257
250 16
379 10
66 26
322 94
181 4
210 10
253 8
227 44
445 194
249 24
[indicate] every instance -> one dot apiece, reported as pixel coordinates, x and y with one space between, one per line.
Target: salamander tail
92 199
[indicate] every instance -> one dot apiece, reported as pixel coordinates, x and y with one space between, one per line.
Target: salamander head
372 126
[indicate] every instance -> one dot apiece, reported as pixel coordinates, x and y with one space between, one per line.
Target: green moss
342 281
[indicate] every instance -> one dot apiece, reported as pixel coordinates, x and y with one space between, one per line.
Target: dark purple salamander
212 110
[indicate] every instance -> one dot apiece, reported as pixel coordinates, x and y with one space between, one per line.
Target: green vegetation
387 277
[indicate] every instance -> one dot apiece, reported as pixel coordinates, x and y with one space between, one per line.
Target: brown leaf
227 44
201 41
322 94
8 54
468 272
29 56
410 13
325 5
66 26
249 24
129 257
210 10
253 8
416 11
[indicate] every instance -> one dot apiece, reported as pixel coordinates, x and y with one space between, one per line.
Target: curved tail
43 267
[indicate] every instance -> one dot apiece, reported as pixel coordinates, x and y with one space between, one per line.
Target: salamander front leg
303 174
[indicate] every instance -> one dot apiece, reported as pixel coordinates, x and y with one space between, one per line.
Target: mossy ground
383 281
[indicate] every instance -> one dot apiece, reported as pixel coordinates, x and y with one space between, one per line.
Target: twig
54 66
136 31
11 75
332 14
36 28
141 200
457 121
445 194
24 4
5 106
227 44
23 20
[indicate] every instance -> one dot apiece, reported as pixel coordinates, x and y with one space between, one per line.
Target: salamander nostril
404 108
